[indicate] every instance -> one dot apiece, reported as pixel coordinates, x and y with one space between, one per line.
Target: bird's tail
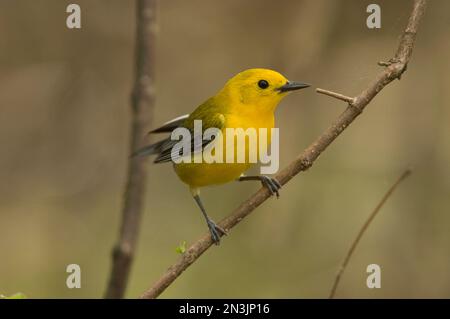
149 149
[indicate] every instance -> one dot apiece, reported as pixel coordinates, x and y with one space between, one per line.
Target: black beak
291 86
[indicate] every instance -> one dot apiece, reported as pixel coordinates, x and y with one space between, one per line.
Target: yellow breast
203 174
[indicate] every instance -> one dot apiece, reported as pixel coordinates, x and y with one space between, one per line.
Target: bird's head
260 88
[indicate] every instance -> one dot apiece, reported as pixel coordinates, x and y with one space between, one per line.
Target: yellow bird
248 100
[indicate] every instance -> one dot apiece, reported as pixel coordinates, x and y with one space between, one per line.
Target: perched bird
248 100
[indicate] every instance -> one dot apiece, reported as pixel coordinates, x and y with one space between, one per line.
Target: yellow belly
204 174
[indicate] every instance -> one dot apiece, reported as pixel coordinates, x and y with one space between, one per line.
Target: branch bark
305 160
363 229
142 103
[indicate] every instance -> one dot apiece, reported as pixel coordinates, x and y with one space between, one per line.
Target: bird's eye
263 84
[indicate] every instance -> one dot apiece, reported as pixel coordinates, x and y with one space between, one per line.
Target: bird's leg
271 183
215 230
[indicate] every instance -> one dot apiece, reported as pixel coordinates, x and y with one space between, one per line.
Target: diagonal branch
306 159
142 101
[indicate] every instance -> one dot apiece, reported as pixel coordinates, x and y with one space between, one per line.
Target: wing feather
212 116
197 142
171 125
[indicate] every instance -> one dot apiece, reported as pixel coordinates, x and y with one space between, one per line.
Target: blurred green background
64 131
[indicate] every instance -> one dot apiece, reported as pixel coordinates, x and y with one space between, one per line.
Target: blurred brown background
64 127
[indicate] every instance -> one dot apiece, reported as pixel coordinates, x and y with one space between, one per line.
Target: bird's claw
271 184
216 231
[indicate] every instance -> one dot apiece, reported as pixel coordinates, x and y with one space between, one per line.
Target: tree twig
307 157
363 229
338 96
142 102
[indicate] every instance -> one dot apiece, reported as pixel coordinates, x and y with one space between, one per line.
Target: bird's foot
216 231
271 184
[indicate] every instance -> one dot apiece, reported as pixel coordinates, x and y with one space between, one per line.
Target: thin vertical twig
142 103
363 230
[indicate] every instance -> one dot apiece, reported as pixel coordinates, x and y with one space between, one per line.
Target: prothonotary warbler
248 100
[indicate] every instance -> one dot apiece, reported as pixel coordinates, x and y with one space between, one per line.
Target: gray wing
172 149
159 146
171 125
165 148
168 149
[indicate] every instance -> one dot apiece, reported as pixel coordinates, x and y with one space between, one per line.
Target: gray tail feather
149 149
